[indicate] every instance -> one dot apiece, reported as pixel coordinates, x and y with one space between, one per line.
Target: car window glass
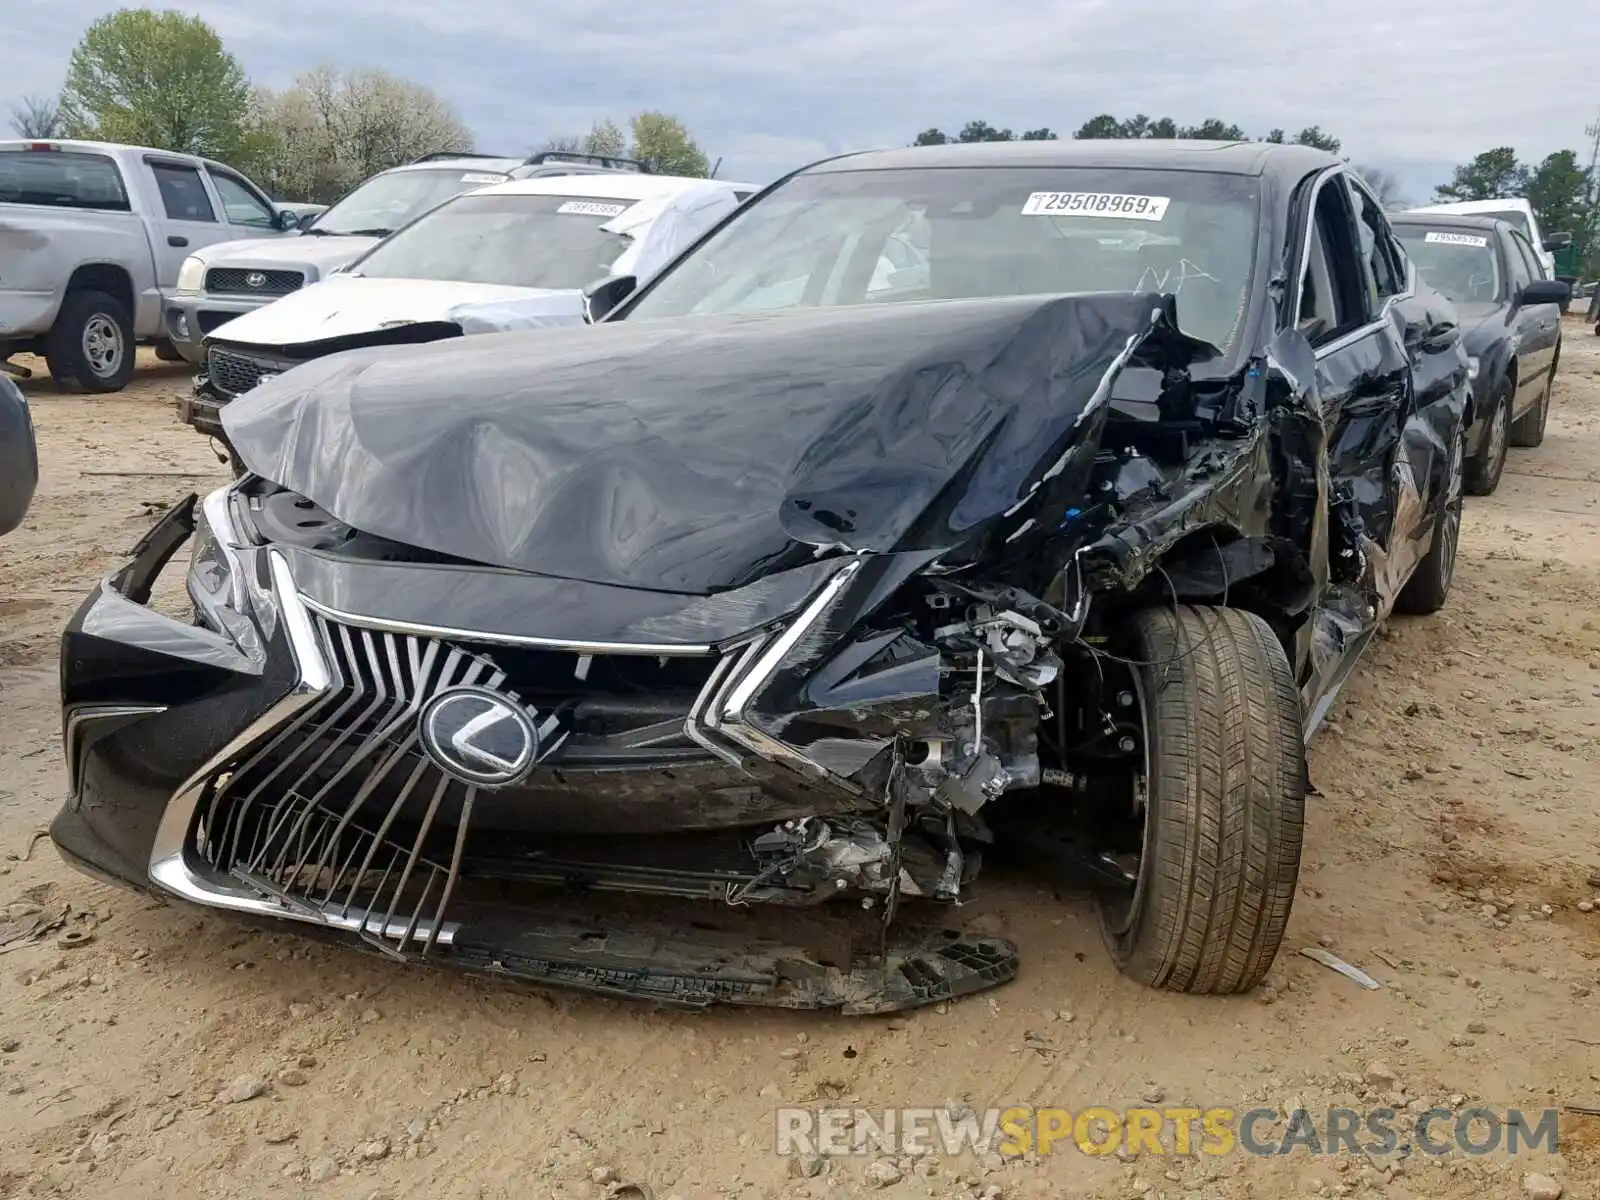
1514 217
1333 289
385 202
1385 266
242 205
1530 260
1462 264
183 193
1522 271
539 241
61 179
897 236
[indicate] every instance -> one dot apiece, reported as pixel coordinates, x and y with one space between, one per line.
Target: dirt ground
1455 831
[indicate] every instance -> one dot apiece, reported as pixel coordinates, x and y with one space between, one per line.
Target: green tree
332 129
1212 130
931 137
606 137
1044 134
1490 175
157 79
982 131
1558 189
37 117
663 144
1312 135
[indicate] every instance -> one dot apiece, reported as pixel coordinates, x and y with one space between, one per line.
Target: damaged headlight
890 672
219 582
1472 366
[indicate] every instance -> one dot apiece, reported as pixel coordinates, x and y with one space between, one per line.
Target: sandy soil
1459 778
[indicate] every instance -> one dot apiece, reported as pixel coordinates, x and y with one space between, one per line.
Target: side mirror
1557 241
1546 291
286 220
601 298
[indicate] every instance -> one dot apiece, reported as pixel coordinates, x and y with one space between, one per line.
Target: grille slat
233 373
342 813
247 281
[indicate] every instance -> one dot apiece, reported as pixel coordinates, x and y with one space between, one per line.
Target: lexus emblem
256 279
480 737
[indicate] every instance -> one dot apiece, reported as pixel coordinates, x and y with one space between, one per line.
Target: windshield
1513 216
1463 266
884 237
519 241
385 202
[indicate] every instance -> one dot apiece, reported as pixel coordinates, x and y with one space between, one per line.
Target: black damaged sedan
1510 328
1028 500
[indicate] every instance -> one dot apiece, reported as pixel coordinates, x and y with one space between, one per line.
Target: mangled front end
463 731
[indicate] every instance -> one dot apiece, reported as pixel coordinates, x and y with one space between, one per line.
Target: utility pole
1591 198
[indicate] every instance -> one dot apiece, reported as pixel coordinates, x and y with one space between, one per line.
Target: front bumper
202 408
282 779
190 317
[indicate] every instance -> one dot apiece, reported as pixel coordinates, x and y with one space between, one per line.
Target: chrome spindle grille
341 814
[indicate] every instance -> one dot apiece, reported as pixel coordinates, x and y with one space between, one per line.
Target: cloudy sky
769 86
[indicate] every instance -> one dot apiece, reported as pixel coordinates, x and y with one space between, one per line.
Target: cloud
768 84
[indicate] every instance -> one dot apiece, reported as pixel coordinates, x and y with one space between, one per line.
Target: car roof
467 162
1504 203
1450 221
608 185
115 150
1166 154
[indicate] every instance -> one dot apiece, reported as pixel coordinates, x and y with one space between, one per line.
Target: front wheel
1489 463
1223 804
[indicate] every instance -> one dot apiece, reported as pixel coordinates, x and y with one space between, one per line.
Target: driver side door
1349 283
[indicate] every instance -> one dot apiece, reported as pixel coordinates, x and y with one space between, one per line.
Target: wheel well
103 277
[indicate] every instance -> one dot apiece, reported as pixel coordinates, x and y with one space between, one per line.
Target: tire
1225 806
91 346
1489 463
1527 431
167 352
1429 586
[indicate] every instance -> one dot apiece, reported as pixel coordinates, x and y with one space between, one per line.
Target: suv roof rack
439 155
610 161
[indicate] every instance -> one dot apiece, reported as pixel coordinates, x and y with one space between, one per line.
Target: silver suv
220 282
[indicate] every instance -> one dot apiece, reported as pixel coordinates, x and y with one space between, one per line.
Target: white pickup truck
92 234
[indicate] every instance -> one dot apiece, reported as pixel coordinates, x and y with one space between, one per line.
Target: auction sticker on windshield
591 208
1096 204
480 177
1456 239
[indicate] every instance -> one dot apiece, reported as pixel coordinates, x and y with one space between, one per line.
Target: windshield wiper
367 232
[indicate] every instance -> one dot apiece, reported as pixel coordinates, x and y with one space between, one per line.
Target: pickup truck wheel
1425 592
1489 463
1528 429
1223 804
91 346
167 352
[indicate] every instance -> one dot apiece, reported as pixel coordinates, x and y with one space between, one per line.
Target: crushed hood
349 305
315 255
694 455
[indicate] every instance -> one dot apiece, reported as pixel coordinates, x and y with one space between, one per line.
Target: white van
1519 213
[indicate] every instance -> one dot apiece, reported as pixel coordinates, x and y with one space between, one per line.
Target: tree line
1108 125
1562 190
166 80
